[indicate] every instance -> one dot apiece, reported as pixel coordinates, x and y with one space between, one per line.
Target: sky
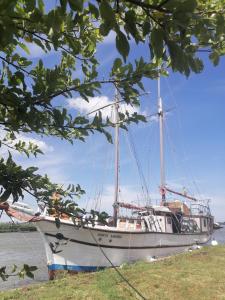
194 140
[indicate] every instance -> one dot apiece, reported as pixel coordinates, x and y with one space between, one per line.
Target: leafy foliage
21 273
174 32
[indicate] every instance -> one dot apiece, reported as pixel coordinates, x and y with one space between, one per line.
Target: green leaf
33 268
30 5
195 64
63 4
122 44
146 28
130 19
76 5
157 36
24 47
109 137
29 274
93 9
107 13
117 64
104 29
186 5
215 58
177 56
41 6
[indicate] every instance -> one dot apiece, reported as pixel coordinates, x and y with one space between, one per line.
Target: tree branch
16 66
17 18
74 88
163 3
148 6
50 42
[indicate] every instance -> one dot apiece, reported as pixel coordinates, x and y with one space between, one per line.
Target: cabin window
131 221
204 222
169 220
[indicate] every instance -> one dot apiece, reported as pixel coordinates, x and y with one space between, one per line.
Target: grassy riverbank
12 227
196 275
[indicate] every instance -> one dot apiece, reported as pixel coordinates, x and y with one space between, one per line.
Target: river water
27 248
22 248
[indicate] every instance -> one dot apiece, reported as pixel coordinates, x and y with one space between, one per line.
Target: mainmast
161 137
116 143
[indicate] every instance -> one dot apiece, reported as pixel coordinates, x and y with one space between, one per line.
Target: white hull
87 249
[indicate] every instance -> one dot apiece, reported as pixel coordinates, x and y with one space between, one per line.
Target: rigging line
151 150
97 199
94 198
172 148
170 141
100 198
173 151
87 202
143 194
189 172
102 107
135 156
111 104
141 174
107 161
116 269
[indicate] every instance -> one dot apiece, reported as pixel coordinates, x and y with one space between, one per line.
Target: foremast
116 144
161 140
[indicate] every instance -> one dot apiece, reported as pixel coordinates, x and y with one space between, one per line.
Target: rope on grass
116 269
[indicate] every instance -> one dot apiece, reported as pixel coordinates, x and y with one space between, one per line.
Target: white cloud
96 103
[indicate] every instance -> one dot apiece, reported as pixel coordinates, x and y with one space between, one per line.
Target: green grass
196 275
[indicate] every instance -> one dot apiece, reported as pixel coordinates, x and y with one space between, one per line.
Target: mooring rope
116 269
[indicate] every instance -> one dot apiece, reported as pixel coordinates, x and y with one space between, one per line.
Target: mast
161 139
116 143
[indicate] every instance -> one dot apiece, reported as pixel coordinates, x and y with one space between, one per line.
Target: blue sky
194 140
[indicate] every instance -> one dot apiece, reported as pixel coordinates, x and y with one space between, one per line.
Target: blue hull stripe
73 268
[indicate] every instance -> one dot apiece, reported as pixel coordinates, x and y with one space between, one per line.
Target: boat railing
200 209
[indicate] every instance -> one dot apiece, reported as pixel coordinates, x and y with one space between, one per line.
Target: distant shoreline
16 227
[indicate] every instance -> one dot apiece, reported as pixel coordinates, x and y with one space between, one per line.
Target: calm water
20 248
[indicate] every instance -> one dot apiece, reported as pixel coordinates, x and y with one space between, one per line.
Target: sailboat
151 230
